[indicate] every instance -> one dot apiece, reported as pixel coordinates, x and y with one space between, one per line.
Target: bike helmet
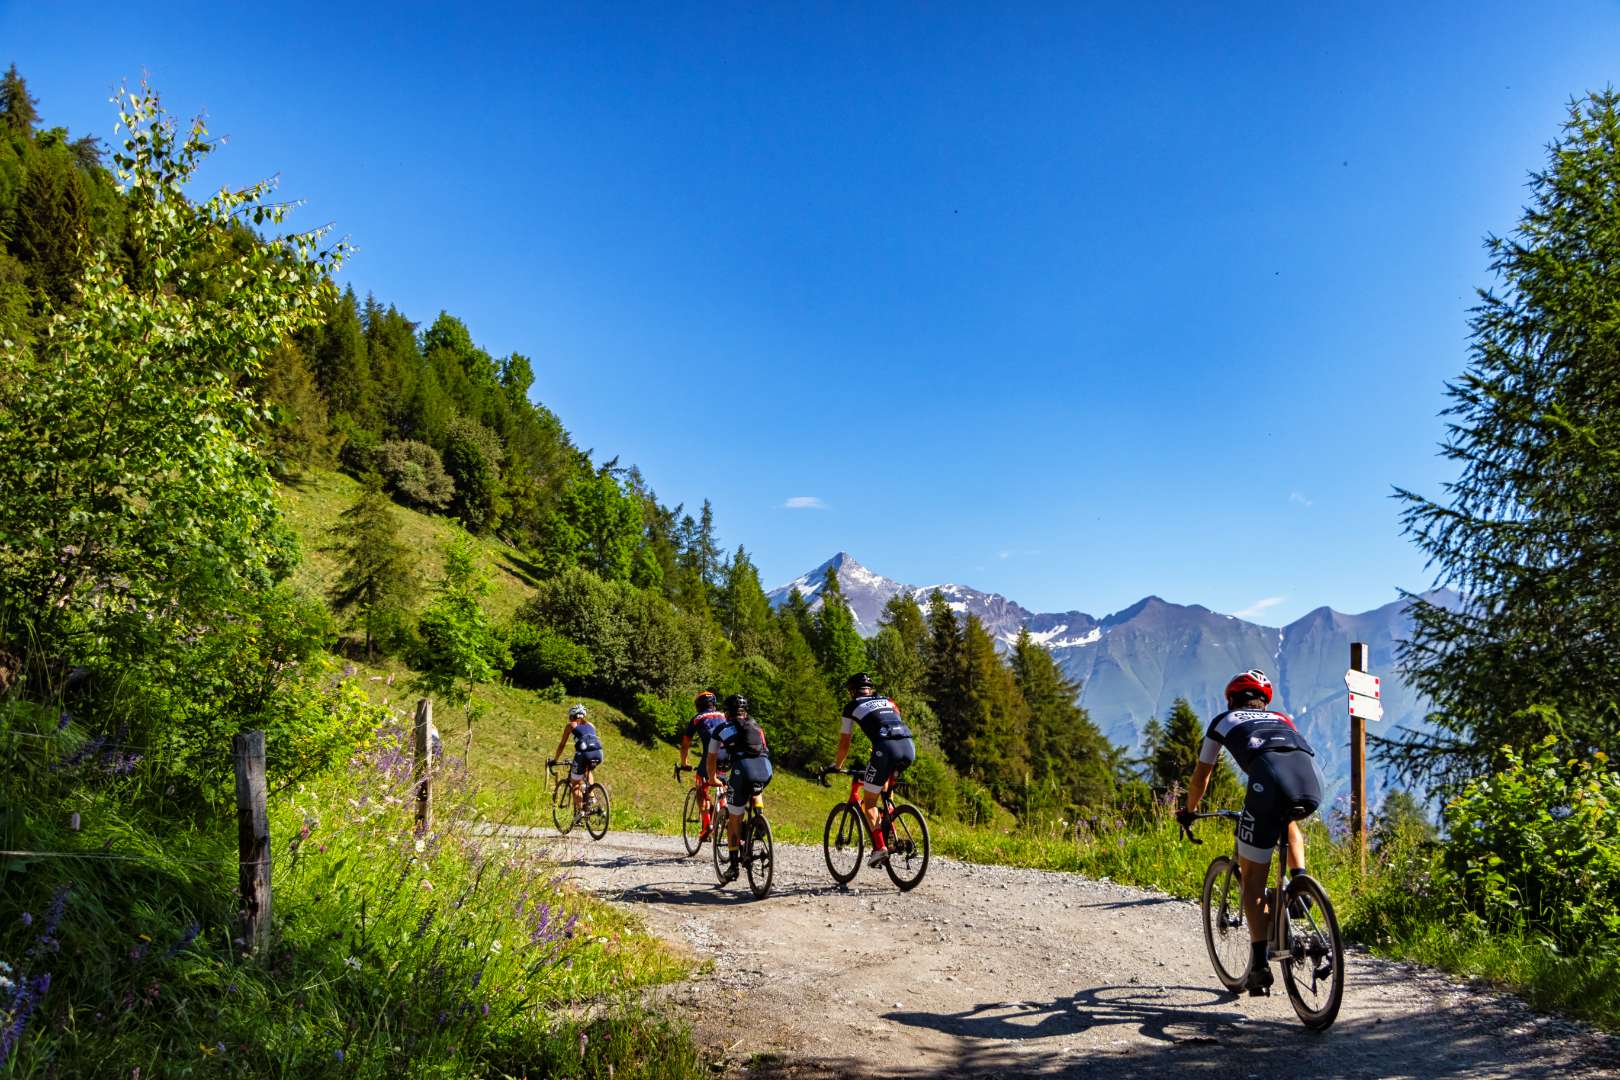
736 705
576 712
705 701
858 681
1251 683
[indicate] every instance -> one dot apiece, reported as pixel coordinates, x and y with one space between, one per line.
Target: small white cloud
804 502
1259 606
1003 554
1298 498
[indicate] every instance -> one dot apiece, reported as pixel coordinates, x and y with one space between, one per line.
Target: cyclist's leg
878 771
1258 831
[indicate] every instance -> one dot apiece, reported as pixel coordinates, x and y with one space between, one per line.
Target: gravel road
992 970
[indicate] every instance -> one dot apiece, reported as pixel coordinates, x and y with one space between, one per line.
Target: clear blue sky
1031 301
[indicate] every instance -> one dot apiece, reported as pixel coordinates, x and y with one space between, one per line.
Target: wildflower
421 845
486 1008
63 721
427 885
338 1053
186 938
27 919
352 963
583 1039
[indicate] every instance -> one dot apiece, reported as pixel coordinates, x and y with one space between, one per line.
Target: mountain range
1132 664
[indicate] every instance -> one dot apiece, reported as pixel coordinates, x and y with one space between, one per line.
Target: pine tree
51 227
995 720
743 609
1530 528
1170 752
377 579
342 367
838 644
943 678
1066 748
805 725
19 110
299 435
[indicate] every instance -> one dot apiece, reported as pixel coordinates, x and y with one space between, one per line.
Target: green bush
1537 844
414 472
658 717
541 656
933 785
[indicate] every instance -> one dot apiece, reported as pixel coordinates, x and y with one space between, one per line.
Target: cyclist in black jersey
703 725
740 736
587 751
892 750
1282 790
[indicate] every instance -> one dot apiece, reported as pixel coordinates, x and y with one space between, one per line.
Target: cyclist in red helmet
1283 789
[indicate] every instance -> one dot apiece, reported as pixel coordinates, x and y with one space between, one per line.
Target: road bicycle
1303 938
593 809
756 853
905 834
697 824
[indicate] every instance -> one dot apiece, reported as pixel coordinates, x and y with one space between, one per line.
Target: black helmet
858 681
705 701
736 705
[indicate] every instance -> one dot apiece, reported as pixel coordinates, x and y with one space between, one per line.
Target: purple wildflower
23 1000
27 918
338 1053
63 721
185 939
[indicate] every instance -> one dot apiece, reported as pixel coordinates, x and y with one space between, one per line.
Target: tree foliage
1529 532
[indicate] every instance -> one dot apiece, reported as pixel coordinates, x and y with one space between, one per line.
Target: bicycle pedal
1260 991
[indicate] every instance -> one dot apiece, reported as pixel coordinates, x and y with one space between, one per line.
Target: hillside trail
1000 971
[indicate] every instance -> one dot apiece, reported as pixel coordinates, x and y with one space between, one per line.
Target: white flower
495 946
421 845
351 962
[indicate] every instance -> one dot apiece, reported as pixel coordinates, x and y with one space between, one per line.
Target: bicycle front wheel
692 822
1225 934
1313 970
719 848
907 837
842 843
761 856
562 806
596 811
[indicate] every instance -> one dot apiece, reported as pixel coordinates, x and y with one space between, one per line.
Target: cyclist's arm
562 744
686 746
1209 752
843 751
713 763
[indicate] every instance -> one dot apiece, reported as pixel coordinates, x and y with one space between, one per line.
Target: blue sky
1075 303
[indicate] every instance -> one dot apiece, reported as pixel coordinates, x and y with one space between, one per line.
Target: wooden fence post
423 770
253 838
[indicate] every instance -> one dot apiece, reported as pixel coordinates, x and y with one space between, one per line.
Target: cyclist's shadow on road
1149 1010
684 893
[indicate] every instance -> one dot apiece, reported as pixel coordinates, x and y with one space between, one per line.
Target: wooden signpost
1366 703
423 768
253 838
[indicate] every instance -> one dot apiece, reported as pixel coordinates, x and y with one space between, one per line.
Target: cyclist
587 751
1283 789
703 725
740 736
892 750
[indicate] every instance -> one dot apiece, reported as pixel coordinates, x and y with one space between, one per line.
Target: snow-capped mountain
1134 663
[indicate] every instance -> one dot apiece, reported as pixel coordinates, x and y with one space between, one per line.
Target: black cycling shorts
749 776
890 757
584 762
1282 787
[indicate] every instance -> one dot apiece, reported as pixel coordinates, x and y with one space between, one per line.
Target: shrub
1537 844
414 472
659 717
541 656
933 785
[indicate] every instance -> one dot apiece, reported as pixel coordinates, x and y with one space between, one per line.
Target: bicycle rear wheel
1313 970
907 837
596 811
562 806
760 855
692 822
842 843
1225 934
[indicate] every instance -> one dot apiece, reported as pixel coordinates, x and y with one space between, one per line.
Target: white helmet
576 712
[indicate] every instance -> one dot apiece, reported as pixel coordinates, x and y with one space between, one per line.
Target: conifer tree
838 644
19 110
806 721
1170 753
1066 748
943 678
299 435
995 721
1529 529
51 227
377 579
338 351
743 608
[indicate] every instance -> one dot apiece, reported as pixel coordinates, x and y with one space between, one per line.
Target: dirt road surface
998 971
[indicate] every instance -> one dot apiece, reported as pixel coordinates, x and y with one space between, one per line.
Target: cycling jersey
585 737
1281 784
702 727
878 717
1248 733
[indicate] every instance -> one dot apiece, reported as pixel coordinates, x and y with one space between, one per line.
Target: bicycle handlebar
1186 828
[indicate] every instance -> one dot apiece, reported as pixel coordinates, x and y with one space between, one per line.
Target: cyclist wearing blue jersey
892 750
1282 789
740 736
703 725
587 751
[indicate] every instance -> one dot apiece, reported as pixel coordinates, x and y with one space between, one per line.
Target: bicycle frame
1277 930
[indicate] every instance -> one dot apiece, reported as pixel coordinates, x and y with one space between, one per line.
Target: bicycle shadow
686 894
1149 1010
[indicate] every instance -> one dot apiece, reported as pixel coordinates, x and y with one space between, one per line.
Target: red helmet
1251 683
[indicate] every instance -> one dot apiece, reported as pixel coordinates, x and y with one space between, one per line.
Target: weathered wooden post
253 838
1365 704
423 769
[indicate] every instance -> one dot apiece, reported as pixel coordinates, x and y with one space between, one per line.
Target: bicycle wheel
719 848
760 856
1314 969
692 822
562 806
597 811
842 842
907 837
1225 934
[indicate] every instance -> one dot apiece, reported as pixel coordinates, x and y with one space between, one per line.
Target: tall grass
439 954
